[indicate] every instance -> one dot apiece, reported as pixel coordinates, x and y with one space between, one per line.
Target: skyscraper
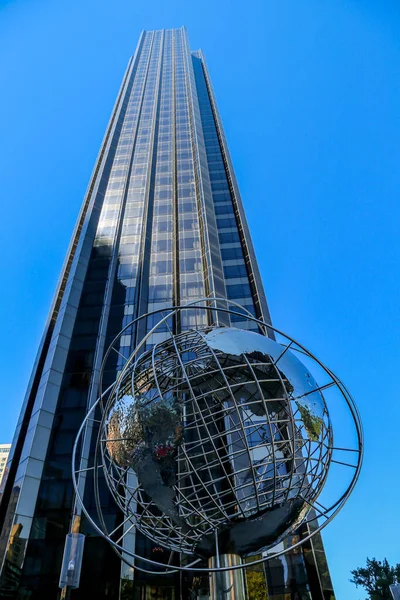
4 452
162 223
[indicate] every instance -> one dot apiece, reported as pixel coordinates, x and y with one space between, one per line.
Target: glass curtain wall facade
162 224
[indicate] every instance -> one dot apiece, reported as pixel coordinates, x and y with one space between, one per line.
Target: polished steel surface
226 585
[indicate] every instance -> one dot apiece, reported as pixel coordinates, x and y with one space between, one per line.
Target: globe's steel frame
317 510
241 385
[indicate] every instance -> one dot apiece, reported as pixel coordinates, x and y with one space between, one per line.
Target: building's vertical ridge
114 243
175 211
260 300
146 234
212 263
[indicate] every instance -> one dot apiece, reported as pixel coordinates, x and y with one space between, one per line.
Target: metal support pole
226 585
65 593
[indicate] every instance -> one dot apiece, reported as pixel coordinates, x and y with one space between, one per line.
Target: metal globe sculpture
218 439
221 437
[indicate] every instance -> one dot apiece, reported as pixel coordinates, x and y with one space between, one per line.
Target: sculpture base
226 585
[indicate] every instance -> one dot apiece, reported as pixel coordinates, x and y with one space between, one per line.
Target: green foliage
126 589
312 423
256 585
376 577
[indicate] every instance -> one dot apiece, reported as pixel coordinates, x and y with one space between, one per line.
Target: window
190 265
235 271
239 290
229 237
160 292
228 221
231 253
161 267
224 209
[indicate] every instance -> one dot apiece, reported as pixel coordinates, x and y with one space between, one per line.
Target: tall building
162 224
4 452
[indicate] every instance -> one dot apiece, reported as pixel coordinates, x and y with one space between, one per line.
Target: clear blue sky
309 93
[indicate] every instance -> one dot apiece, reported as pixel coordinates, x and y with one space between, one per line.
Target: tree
256 585
376 578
